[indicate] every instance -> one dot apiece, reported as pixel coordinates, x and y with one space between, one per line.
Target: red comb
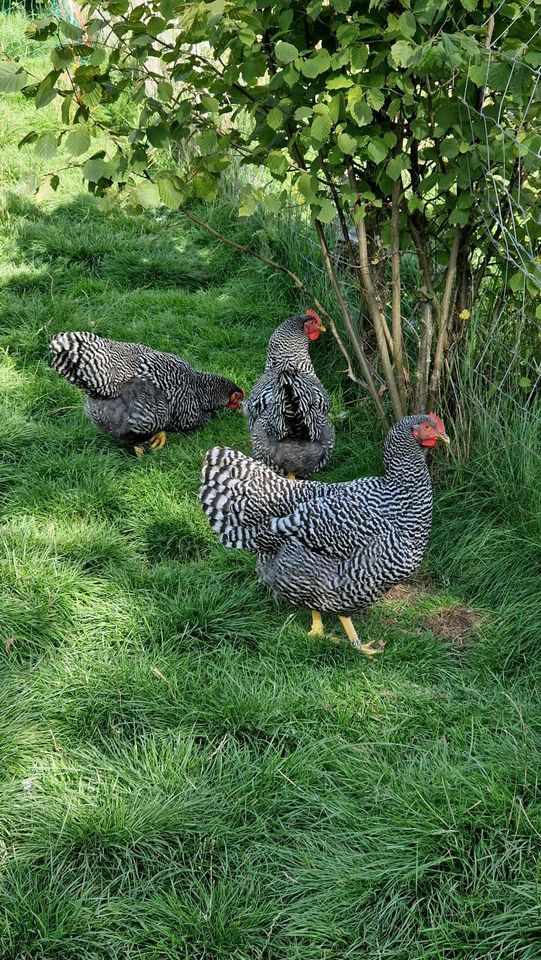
313 315
438 421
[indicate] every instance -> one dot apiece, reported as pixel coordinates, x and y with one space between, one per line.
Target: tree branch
300 286
445 313
378 320
350 326
398 342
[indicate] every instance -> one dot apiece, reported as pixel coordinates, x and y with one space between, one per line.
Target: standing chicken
332 548
136 393
287 410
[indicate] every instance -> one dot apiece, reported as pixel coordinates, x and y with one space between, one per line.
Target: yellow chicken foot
158 441
317 625
139 451
353 638
291 476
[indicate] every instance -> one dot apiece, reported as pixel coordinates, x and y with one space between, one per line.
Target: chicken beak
322 329
444 437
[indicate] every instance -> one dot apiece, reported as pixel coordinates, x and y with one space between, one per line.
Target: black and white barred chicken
287 409
135 393
332 548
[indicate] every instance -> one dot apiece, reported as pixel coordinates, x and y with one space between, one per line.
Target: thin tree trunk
350 326
378 320
363 361
398 342
423 360
445 314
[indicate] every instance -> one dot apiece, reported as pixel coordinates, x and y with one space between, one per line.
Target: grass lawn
183 771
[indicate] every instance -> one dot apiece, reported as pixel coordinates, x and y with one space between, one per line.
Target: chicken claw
158 441
139 452
317 625
353 637
290 476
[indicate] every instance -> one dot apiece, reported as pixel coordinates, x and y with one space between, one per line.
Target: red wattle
313 335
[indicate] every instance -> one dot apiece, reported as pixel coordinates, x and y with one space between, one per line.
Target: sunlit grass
184 772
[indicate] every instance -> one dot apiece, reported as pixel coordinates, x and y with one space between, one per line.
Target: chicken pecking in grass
135 393
331 548
287 409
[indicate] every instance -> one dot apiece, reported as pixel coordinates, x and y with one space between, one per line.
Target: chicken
287 410
332 548
135 393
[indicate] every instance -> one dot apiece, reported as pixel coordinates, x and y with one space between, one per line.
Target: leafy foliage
339 103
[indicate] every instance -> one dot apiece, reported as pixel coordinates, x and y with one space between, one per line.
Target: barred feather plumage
330 547
134 391
288 407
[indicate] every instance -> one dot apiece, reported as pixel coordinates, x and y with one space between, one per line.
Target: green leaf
171 192
277 163
205 186
320 129
91 96
347 144
61 57
478 73
30 137
402 53
209 104
46 146
272 203
358 56
48 187
326 212
525 383
358 107
394 167
164 90
41 29
516 282
375 97
317 64
207 142
248 204
285 52
407 24
46 91
78 141
147 194
307 186
12 77
96 169
159 134
70 30
275 119
459 218
377 150
338 83
303 113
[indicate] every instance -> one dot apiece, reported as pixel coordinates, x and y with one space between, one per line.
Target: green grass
184 772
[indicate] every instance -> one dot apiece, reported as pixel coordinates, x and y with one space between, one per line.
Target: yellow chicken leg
317 625
158 441
291 476
353 638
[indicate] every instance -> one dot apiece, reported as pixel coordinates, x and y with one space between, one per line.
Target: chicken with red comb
288 408
329 547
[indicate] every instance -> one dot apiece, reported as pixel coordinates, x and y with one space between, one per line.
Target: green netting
66 9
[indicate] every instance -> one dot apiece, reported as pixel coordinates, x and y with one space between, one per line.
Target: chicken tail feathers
93 363
241 497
